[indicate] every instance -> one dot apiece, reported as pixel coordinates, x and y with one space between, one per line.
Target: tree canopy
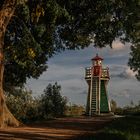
29 40
52 101
41 28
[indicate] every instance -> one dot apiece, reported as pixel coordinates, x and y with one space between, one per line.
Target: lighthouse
97 79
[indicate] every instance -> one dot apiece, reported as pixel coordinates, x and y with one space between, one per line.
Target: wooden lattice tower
97 79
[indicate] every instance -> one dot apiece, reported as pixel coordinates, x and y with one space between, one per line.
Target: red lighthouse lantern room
97 65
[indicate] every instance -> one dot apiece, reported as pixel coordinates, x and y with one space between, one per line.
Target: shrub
27 108
52 102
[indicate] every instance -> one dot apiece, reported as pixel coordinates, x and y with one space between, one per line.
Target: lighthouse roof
97 58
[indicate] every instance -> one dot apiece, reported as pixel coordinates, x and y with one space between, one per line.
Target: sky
68 70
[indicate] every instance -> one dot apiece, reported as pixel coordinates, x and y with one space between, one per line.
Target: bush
26 108
75 110
52 102
131 109
23 106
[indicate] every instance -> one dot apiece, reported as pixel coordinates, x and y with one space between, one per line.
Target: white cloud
117 45
130 73
126 93
121 72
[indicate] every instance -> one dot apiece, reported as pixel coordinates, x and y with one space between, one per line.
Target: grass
126 128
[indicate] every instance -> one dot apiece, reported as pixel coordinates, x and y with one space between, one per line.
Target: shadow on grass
126 128
101 136
129 127
126 124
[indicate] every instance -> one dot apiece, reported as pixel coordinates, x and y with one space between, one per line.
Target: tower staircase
95 85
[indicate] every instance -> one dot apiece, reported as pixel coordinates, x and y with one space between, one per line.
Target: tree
27 108
23 105
34 30
36 38
53 104
7 11
105 20
113 105
73 24
134 61
75 110
27 39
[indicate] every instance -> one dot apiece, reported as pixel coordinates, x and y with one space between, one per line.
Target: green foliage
75 110
126 128
27 108
41 28
23 106
113 105
134 61
30 40
128 110
52 101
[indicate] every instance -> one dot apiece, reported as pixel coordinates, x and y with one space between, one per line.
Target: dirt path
59 129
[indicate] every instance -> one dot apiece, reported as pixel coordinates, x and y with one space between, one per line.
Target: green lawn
126 128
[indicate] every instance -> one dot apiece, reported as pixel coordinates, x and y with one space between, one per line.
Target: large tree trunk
6 12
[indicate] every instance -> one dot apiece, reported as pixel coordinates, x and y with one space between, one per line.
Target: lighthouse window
95 63
99 62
